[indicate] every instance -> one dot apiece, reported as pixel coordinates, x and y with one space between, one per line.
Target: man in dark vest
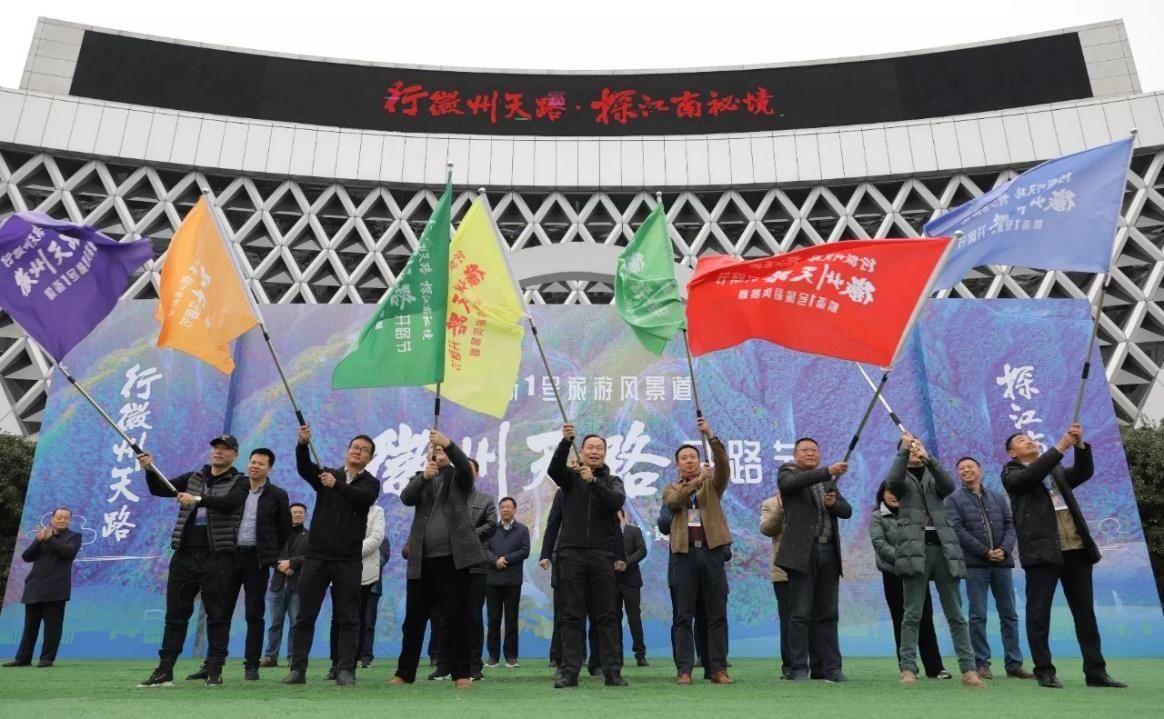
204 539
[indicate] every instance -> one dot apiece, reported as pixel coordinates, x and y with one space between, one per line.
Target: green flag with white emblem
645 290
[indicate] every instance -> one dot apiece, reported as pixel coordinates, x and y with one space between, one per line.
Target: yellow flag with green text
483 334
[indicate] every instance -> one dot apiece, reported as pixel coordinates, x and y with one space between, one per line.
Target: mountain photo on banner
646 293
403 344
1060 215
483 334
202 304
61 279
850 300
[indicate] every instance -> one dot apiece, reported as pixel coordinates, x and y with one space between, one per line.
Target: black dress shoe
295 676
199 675
330 675
1050 681
44 663
214 679
15 663
614 679
564 682
642 662
344 678
594 671
251 674
1106 681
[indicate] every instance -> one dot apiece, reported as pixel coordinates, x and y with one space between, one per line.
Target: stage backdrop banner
974 372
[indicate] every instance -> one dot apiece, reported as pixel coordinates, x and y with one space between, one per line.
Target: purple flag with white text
58 280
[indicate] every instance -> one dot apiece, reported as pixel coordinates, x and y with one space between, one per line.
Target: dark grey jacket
513 544
447 492
483 515
800 515
916 498
965 511
294 551
221 496
636 551
51 576
1034 512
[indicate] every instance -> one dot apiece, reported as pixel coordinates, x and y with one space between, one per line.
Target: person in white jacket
369 590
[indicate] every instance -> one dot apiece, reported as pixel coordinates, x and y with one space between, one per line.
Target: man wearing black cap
204 539
334 552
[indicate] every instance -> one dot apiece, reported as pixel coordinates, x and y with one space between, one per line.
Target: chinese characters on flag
617 105
852 300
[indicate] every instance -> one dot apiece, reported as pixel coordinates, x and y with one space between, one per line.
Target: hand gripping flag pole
259 316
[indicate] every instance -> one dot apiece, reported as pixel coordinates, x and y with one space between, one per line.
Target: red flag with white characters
850 300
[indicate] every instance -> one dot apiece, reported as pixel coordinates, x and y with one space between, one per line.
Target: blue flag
59 280
1061 215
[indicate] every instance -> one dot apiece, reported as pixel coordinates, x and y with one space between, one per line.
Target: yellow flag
483 352
202 304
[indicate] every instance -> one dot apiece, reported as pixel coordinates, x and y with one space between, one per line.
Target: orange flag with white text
202 304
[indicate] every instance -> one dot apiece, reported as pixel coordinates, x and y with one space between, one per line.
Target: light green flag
403 344
645 290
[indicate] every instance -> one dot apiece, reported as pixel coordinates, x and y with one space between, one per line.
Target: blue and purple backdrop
973 372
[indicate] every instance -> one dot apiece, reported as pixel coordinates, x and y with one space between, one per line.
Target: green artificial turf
108 689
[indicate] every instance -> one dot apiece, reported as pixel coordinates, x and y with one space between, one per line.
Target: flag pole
533 328
885 403
865 418
262 325
1090 349
104 415
695 393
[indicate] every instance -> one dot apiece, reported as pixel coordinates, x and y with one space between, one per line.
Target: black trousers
477 593
587 582
927 638
812 621
194 573
441 584
783 612
52 614
365 633
699 576
629 600
343 576
559 595
434 632
1075 576
503 602
249 576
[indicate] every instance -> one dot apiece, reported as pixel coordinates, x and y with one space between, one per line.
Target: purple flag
59 280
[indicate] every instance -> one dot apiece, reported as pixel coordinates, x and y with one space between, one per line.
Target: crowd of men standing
238 533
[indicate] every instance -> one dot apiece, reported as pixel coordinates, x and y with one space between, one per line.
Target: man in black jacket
284 590
629 586
47 587
548 560
264 524
591 498
342 499
204 538
810 551
1055 547
506 552
442 547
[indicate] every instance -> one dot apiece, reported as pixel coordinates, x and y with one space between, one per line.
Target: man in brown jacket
772 525
699 538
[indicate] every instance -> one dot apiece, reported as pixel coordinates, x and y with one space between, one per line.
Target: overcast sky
589 34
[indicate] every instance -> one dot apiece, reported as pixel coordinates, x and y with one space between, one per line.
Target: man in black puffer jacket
591 498
338 523
204 540
1055 547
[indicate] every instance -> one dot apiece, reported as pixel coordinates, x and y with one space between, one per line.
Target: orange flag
202 304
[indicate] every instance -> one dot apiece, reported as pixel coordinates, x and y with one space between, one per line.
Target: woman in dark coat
47 588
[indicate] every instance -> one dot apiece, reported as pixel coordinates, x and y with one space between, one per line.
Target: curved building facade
325 171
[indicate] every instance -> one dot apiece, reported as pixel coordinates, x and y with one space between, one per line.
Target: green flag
403 344
645 290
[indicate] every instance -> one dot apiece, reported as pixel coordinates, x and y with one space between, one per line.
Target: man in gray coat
928 549
443 547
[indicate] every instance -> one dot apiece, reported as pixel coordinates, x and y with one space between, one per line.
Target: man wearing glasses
342 499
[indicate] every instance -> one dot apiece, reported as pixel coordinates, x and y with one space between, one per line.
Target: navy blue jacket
964 512
513 544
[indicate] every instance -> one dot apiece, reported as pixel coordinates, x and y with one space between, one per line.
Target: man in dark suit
506 552
1055 546
810 551
442 547
47 588
628 585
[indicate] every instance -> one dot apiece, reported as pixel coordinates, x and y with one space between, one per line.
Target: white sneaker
512 665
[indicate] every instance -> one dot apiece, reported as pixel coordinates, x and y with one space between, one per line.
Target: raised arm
895 480
723 466
943 484
1019 479
792 479
1083 468
361 492
308 470
232 500
609 492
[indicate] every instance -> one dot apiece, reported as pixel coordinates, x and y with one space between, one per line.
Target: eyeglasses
361 450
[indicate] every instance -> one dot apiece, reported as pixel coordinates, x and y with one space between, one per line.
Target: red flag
850 300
